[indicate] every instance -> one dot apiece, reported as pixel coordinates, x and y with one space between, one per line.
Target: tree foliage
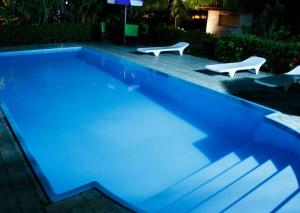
271 22
50 11
228 4
155 5
178 11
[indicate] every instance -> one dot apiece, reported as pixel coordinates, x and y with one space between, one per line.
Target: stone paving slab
4 179
8 201
20 191
290 121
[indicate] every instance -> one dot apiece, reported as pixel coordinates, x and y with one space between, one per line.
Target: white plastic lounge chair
253 62
157 50
283 80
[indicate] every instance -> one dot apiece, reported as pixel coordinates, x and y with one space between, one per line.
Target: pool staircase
252 178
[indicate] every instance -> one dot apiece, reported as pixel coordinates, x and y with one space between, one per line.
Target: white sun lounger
283 80
157 50
252 63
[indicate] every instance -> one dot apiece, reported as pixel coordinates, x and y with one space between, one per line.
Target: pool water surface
86 119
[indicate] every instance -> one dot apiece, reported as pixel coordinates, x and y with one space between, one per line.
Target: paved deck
20 190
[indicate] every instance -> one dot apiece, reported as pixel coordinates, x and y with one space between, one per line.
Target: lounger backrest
254 61
180 45
295 71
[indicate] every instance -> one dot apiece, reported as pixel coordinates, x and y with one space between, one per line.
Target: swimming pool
86 119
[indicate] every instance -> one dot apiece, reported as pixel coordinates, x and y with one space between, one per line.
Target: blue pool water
152 142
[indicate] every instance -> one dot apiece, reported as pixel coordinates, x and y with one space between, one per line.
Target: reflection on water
133 87
2 83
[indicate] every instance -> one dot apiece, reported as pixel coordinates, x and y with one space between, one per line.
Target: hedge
281 56
47 33
201 43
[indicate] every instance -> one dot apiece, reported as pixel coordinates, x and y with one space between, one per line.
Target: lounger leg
180 52
231 74
156 53
286 88
256 70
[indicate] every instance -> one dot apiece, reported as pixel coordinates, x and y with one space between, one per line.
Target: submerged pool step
271 161
278 193
196 180
235 191
204 192
293 205
214 178
269 195
199 178
218 194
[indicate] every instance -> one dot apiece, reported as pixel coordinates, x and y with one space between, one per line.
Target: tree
178 11
271 23
87 11
235 5
155 5
50 11
227 4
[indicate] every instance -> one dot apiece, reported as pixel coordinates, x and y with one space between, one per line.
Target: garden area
273 34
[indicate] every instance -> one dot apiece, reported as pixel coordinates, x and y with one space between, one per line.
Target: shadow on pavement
286 102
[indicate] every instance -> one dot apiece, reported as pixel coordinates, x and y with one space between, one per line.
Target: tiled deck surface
19 188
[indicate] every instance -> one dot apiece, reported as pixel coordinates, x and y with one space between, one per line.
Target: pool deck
20 191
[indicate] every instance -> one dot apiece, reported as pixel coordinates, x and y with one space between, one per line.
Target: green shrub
201 44
46 33
164 35
281 56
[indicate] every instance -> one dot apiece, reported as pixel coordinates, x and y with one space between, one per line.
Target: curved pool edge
289 121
